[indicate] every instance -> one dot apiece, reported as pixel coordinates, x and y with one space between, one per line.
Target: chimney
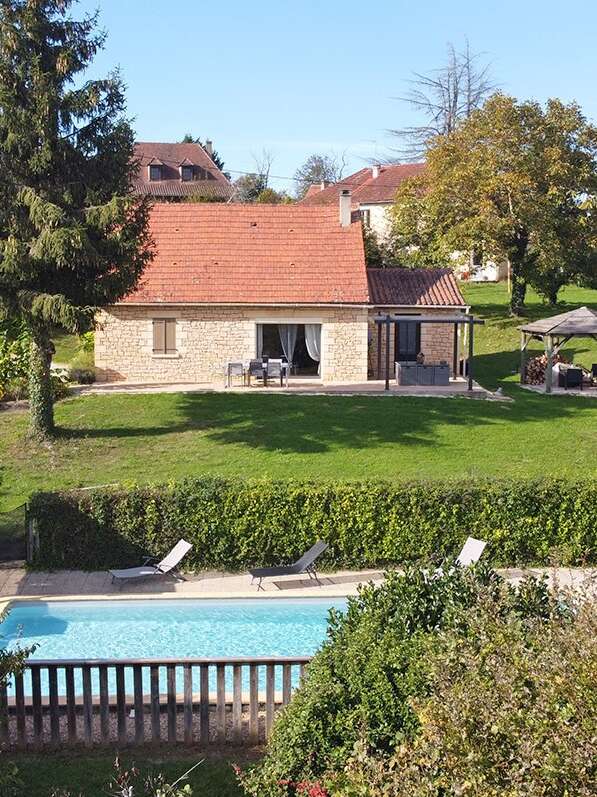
375 171
323 185
345 207
209 147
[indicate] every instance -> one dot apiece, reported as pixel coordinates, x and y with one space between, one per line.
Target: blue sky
302 77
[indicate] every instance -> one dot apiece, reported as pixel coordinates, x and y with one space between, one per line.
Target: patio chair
573 378
256 369
276 370
168 564
306 564
234 369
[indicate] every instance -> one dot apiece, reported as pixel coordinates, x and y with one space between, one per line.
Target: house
232 282
179 172
373 190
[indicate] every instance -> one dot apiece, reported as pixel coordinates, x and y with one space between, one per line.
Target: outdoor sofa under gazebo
555 332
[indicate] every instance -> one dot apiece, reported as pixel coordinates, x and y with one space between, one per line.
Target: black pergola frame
389 319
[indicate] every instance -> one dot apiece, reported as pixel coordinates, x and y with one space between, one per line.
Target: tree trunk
552 296
41 400
519 289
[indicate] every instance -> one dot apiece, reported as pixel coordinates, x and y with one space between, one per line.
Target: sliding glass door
298 344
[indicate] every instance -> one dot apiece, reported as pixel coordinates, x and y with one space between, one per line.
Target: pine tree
73 238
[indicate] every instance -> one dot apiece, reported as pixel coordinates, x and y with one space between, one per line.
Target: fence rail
144 701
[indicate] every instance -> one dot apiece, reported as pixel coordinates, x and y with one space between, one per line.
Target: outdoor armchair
306 564
167 564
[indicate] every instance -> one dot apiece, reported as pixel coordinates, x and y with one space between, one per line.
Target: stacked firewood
535 371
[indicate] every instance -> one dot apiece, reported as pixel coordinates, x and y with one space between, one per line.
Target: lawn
89 775
126 438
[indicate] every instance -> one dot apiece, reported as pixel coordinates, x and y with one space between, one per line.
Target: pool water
166 629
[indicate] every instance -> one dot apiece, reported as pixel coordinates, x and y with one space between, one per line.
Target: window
408 343
187 173
366 216
155 172
164 336
476 258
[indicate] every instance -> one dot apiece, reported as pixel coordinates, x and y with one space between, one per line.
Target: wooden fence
144 701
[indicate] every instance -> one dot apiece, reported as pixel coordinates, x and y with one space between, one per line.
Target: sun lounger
168 563
306 564
471 552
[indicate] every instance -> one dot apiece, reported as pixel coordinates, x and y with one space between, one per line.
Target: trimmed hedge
234 524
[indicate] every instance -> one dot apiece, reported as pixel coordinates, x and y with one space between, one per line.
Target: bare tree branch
443 98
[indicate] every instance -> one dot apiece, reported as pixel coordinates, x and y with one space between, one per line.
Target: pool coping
5 604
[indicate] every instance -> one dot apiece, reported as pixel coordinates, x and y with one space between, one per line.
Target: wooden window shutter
170 336
159 336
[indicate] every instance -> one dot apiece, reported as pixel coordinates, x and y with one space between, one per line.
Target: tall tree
73 238
316 169
515 181
250 186
215 155
444 98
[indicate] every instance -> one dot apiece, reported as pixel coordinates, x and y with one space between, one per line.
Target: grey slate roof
582 321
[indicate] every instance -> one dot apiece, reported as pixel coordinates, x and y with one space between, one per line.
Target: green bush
512 711
233 524
360 685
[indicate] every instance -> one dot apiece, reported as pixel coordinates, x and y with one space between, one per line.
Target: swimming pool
167 629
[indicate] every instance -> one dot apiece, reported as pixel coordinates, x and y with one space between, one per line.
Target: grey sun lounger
306 564
168 563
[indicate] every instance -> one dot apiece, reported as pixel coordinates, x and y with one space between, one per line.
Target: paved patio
302 386
19 583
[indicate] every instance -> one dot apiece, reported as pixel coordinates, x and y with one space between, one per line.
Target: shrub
512 711
82 368
234 524
359 686
82 375
14 357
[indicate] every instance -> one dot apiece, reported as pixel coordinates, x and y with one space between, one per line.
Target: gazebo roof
582 321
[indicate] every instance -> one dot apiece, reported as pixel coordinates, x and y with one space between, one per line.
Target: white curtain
259 340
313 341
288 333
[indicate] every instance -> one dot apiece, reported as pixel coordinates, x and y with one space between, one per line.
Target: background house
178 172
232 282
373 190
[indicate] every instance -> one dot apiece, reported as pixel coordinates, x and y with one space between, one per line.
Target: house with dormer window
179 172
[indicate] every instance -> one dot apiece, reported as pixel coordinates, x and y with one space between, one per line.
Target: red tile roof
253 254
365 188
212 183
418 286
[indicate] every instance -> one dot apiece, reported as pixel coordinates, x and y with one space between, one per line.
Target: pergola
555 332
386 321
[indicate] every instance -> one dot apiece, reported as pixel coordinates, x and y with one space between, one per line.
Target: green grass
89 775
67 347
157 437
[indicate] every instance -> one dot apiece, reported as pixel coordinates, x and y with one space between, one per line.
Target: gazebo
555 332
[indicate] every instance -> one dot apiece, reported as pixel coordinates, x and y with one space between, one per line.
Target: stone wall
437 340
208 337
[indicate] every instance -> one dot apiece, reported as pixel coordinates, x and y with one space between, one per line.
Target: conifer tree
73 238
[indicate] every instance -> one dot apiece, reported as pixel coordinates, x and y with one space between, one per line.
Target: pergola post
470 354
455 352
379 350
523 358
549 366
387 352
